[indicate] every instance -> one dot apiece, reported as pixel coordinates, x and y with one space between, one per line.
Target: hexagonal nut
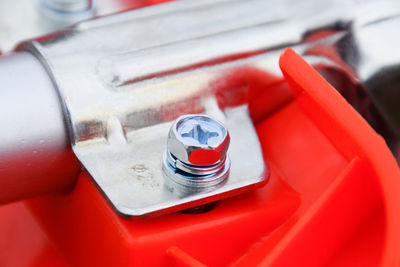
198 139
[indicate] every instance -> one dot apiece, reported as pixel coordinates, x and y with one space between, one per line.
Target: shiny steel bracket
123 150
122 87
128 167
120 131
124 78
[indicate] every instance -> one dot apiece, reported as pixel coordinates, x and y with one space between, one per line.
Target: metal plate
128 170
124 79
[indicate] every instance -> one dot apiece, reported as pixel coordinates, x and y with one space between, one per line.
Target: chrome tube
35 154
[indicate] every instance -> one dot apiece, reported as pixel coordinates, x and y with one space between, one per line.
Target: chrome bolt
62 13
68 6
196 154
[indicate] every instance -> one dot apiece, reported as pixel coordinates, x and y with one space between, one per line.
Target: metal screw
65 12
196 154
68 6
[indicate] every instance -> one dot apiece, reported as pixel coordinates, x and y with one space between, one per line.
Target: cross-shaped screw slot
199 134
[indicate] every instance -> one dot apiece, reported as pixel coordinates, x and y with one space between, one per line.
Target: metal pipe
35 154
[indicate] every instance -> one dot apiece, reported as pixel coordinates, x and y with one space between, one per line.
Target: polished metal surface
379 71
124 78
35 154
127 165
25 19
196 154
98 61
369 79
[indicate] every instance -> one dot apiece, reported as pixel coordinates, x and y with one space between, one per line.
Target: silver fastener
66 12
68 6
196 155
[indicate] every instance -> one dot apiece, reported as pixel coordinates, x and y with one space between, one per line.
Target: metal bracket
120 101
121 144
128 167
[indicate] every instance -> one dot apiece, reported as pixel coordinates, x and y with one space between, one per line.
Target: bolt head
198 140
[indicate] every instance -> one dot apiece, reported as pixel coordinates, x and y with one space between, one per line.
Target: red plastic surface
332 198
